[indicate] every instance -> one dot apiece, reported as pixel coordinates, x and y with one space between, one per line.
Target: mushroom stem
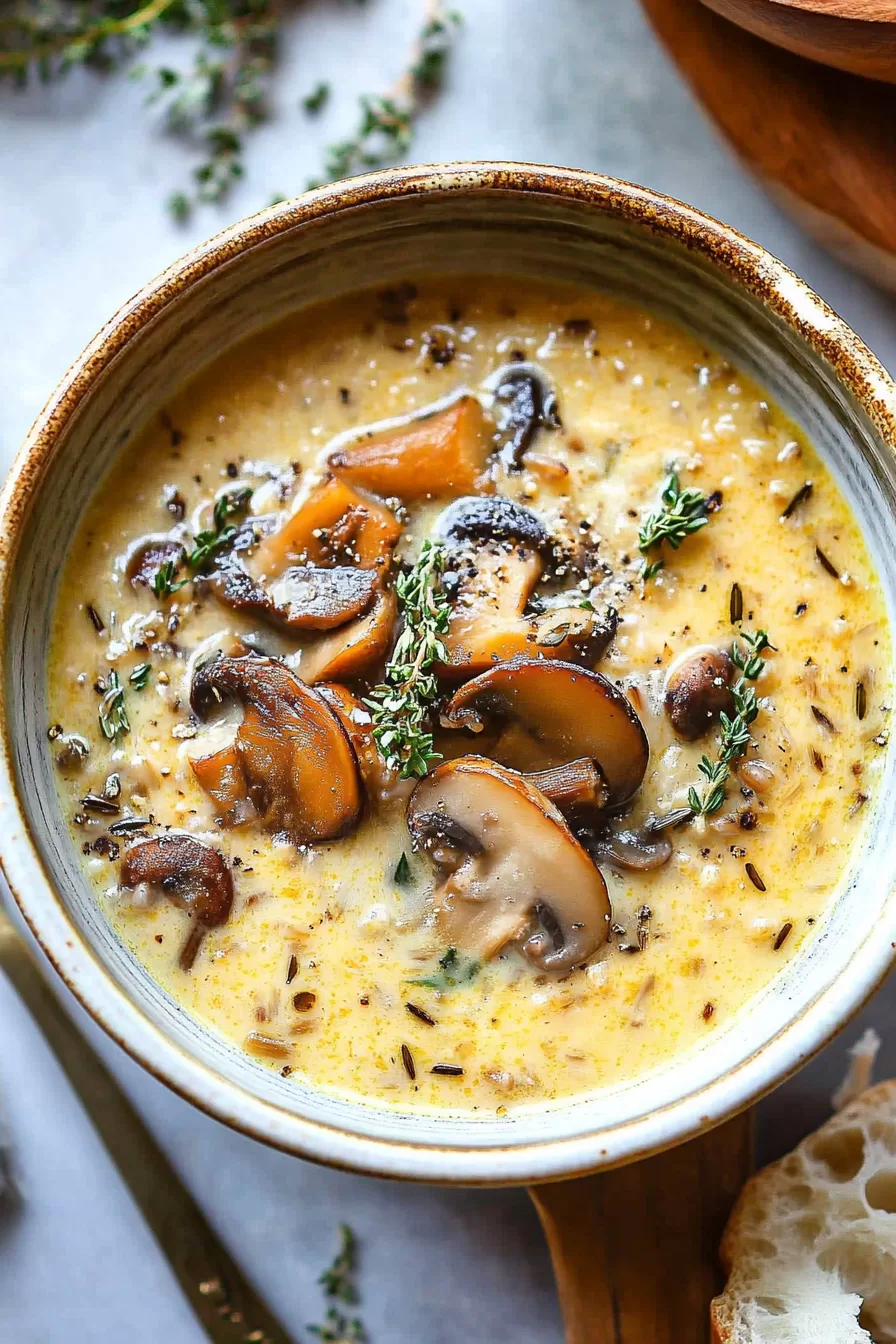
572 787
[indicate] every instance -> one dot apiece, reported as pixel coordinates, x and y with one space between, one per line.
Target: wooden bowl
854 35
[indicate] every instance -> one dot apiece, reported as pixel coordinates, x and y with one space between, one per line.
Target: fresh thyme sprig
734 736
338 1282
113 715
165 581
400 704
681 513
385 128
223 92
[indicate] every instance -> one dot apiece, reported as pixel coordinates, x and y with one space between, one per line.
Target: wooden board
635 1249
823 142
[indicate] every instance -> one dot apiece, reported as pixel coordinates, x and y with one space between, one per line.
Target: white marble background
83 173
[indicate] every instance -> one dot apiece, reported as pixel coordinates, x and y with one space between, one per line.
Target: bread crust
761 1193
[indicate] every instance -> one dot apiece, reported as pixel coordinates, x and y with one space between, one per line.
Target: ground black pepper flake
291 969
782 937
754 877
95 618
817 760
420 1014
708 1010
861 700
799 498
407 1060
304 1001
447 1070
736 604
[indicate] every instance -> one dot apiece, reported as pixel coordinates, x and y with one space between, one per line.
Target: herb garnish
682 512
314 101
402 875
385 127
222 92
338 1282
139 678
221 532
163 581
735 730
453 971
112 713
205 544
400 704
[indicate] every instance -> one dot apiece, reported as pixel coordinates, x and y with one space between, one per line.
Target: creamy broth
332 966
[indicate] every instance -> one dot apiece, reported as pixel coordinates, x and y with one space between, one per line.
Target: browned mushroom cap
504 858
556 713
353 650
698 690
147 557
301 773
193 875
380 782
336 525
442 453
496 547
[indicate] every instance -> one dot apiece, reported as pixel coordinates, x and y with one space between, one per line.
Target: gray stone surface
83 173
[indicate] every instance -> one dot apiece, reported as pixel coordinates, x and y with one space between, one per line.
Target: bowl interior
316 255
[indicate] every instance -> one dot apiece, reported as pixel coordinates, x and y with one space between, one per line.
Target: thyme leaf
163 581
681 513
113 715
454 970
400 704
139 678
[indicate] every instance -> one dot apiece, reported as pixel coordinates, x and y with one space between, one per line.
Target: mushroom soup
466 697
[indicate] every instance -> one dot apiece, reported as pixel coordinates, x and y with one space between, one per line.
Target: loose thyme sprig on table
735 730
338 1282
223 92
681 513
400 704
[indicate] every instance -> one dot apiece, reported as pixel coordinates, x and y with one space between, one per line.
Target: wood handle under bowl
635 1249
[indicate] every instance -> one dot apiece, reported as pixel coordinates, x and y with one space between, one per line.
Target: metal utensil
226 1304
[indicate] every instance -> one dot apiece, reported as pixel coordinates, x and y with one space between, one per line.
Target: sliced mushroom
193 875
351 652
147 557
380 782
491 518
496 548
300 771
222 777
556 713
434 455
698 690
336 525
531 405
505 858
303 597
578 787
636 851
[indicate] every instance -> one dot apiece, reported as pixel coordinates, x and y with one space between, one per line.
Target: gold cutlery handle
226 1304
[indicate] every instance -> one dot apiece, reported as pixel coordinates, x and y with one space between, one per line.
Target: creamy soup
604 785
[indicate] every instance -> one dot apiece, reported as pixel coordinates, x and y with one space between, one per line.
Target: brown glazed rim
750 268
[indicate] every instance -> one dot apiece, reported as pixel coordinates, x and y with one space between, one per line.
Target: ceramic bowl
508 219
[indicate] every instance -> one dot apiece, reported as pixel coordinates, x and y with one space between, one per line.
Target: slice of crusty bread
810 1248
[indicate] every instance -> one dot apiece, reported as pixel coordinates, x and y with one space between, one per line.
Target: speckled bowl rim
749 267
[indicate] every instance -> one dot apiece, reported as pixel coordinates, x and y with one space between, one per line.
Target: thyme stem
401 702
